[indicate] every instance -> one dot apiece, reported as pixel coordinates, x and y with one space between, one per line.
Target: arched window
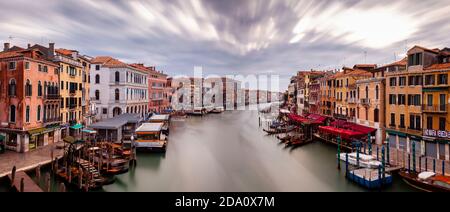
376 115
117 76
27 114
12 113
38 115
367 92
97 95
12 87
377 92
358 93
97 79
39 88
117 94
367 113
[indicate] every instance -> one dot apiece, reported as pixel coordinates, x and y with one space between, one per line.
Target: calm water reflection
229 152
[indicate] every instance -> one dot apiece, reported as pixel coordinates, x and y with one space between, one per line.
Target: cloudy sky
232 36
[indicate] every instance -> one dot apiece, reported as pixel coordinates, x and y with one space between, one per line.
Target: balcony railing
435 108
72 106
365 101
352 101
72 91
52 120
52 96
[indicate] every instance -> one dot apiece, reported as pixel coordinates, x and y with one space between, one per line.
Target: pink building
29 98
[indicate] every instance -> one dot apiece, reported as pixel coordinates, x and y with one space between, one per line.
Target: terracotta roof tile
442 66
66 52
10 54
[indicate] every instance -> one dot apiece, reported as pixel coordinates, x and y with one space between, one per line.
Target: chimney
29 46
51 50
5 47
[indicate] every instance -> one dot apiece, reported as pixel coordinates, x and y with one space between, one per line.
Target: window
12 65
402 99
97 67
443 102
97 95
442 79
412 121
62 102
402 81
377 92
12 87
12 114
27 114
392 81
376 114
367 92
392 99
80 87
418 121
402 121
430 100
38 114
117 76
392 120
105 110
429 79
97 79
442 123
415 59
27 65
117 95
430 122
28 88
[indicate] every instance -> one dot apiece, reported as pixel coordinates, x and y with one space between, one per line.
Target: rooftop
116 122
150 127
159 117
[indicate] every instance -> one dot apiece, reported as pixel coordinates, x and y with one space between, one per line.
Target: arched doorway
117 111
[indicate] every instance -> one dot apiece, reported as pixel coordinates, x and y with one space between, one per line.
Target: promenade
29 160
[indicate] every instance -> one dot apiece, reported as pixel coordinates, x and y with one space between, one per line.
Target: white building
117 88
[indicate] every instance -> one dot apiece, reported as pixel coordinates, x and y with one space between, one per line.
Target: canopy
69 139
285 111
77 126
298 119
317 119
89 131
355 127
345 134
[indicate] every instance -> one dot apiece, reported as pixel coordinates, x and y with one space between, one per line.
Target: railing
434 108
72 92
52 96
352 101
72 106
365 101
48 120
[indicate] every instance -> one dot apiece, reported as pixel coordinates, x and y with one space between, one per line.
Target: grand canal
230 152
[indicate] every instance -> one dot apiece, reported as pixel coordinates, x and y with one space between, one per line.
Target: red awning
345 134
354 127
316 118
298 119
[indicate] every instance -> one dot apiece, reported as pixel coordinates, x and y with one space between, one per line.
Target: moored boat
150 137
280 130
366 161
426 181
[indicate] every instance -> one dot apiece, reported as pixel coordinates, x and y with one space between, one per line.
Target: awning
285 111
317 119
354 127
89 131
298 119
345 134
69 139
38 131
77 126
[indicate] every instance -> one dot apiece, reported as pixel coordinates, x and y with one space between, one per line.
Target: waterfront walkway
26 161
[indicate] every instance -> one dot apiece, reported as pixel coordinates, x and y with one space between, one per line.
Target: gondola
280 130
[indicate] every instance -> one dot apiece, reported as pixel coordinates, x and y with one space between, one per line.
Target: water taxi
426 181
219 109
150 136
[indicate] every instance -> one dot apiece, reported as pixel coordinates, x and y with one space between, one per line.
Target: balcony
72 92
364 102
52 97
48 121
72 106
352 101
434 108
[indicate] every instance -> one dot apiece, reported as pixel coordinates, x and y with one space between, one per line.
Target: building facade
29 97
118 88
157 90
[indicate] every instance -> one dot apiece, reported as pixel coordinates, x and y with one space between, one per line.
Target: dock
28 184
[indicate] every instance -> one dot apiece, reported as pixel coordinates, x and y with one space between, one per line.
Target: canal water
229 152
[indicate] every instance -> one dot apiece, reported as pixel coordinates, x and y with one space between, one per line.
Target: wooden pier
28 184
